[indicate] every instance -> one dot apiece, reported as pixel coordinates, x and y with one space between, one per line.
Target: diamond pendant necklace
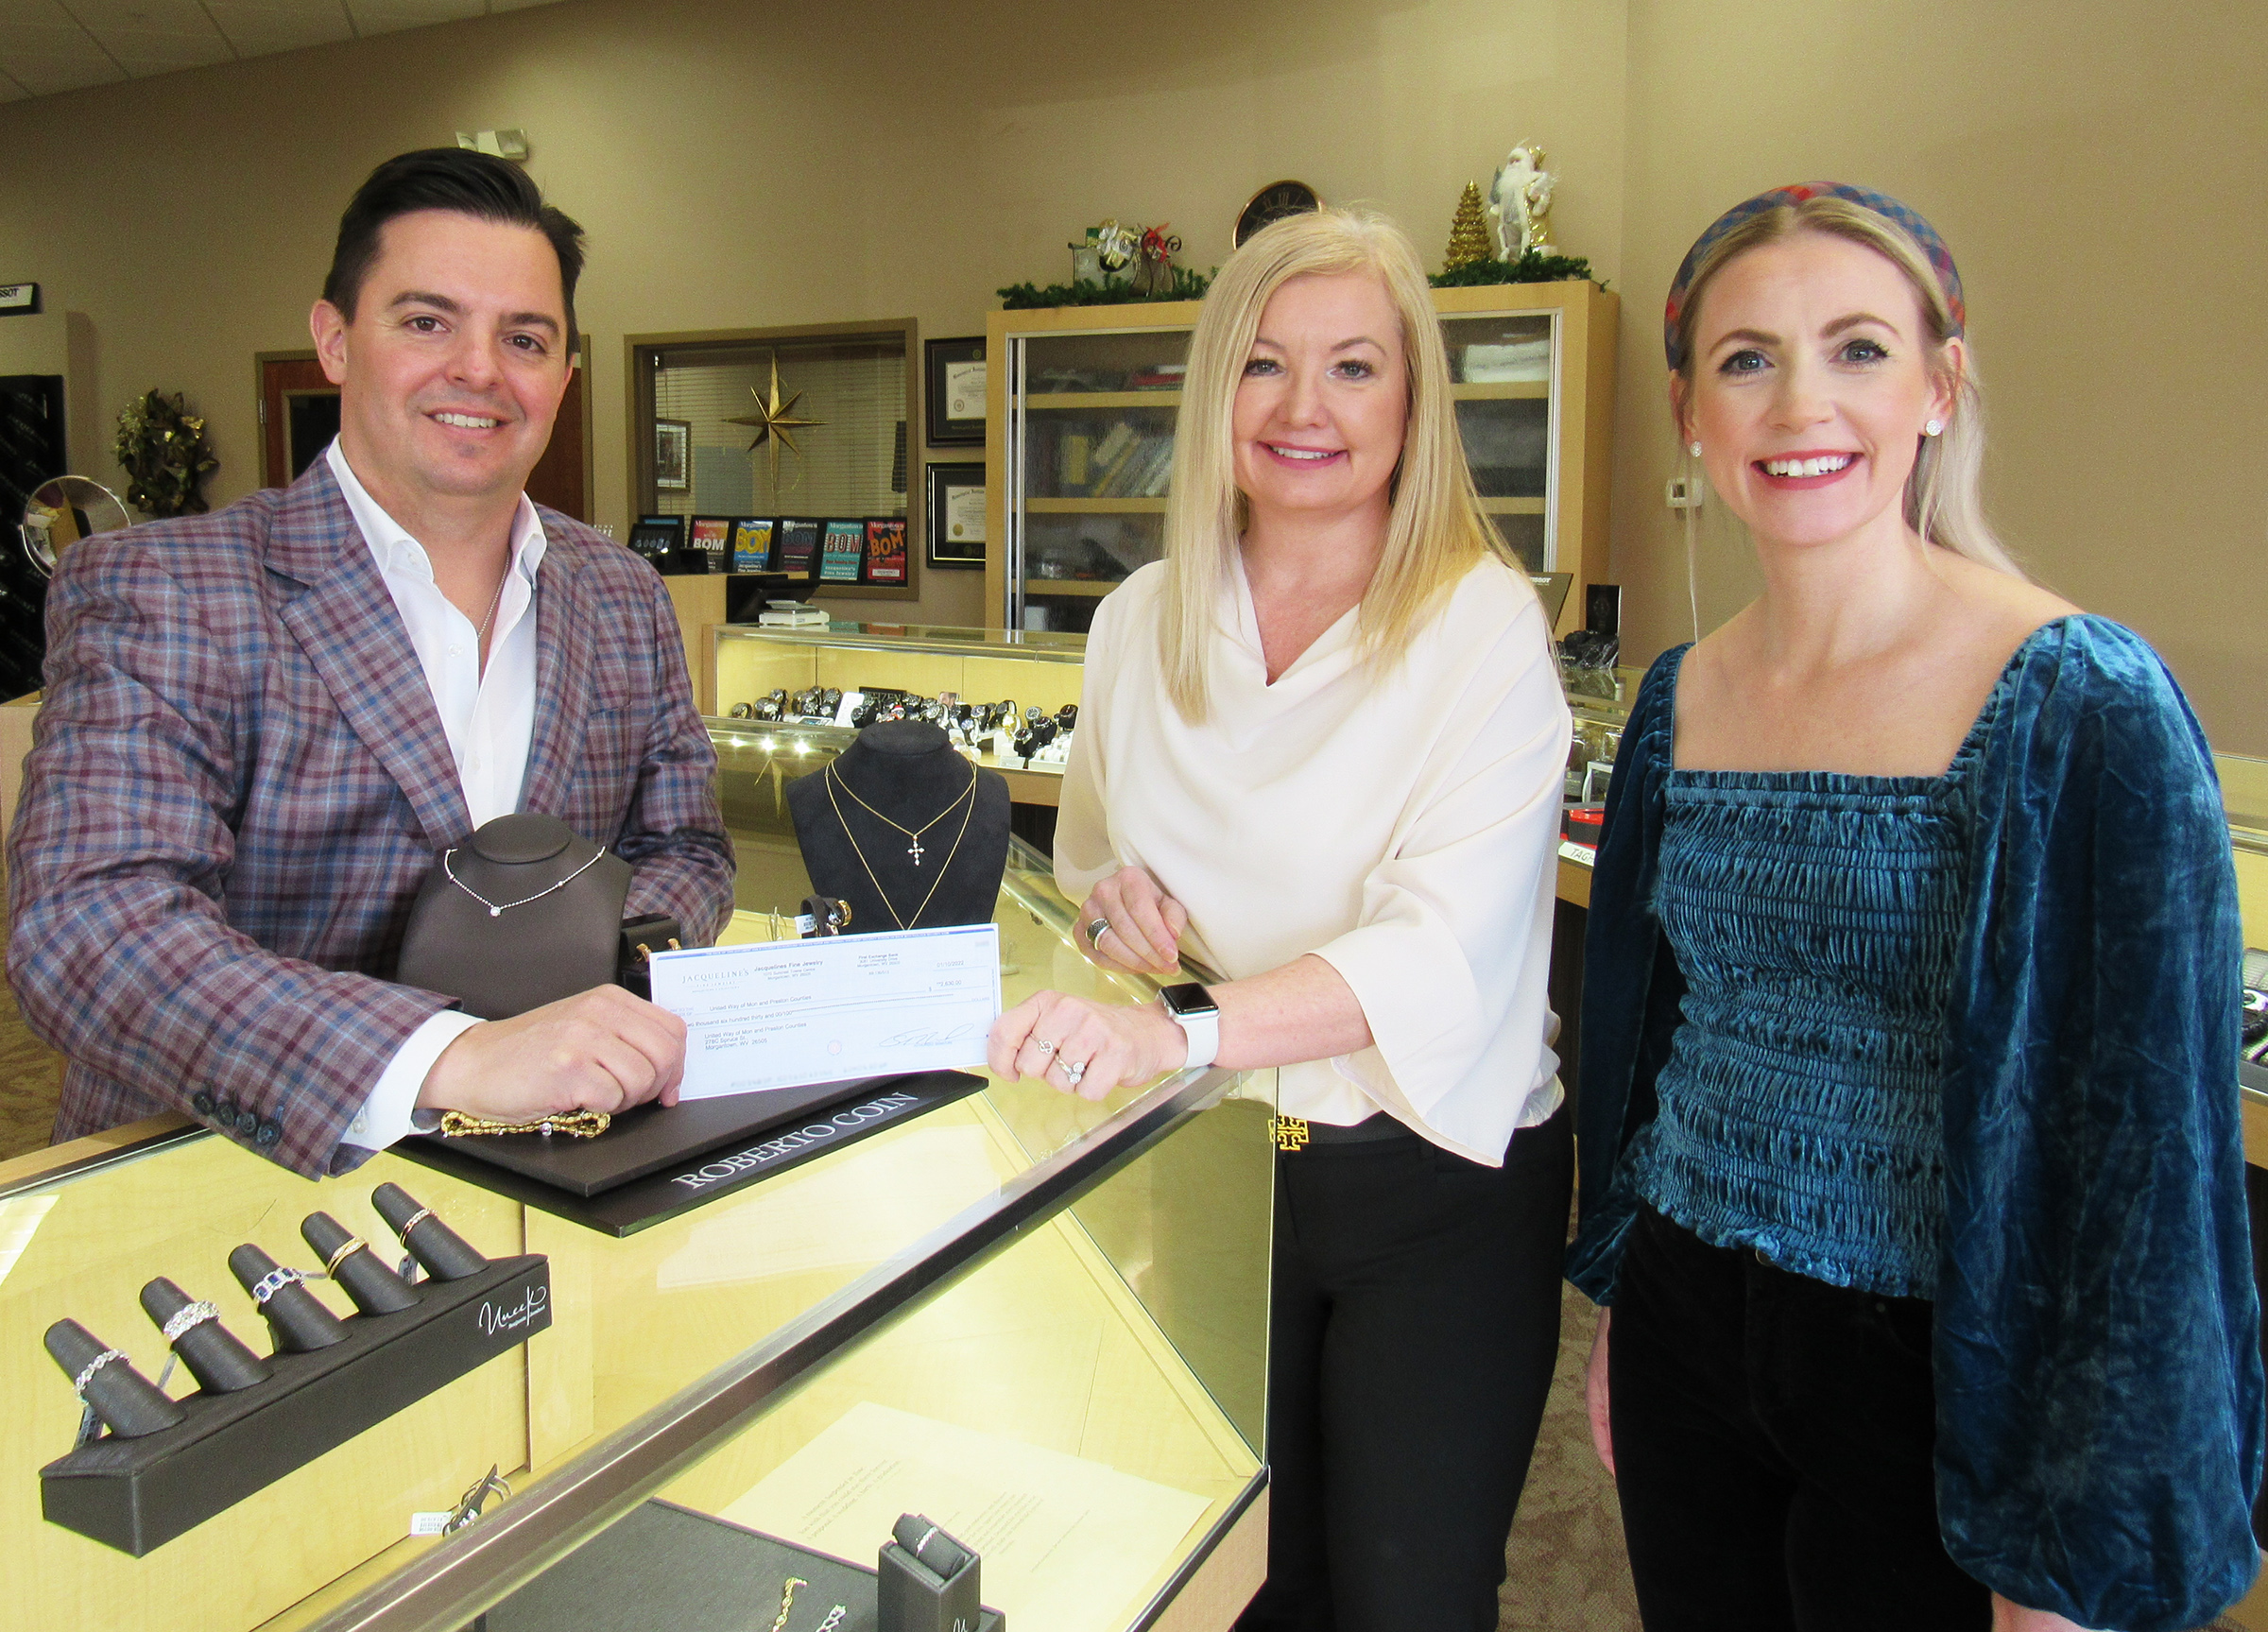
498 911
914 848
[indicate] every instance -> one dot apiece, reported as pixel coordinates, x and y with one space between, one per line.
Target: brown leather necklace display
524 913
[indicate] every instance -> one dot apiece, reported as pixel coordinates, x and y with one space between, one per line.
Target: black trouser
1414 1318
1773 1441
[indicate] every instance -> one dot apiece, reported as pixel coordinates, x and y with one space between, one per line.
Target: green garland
1531 268
1187 285
166 456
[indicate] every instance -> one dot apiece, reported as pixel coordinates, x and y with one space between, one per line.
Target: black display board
31 452
668 1568
656 1163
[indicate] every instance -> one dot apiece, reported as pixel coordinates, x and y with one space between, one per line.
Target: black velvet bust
505 963
908 770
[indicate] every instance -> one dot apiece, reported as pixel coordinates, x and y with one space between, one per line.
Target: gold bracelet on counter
580 1123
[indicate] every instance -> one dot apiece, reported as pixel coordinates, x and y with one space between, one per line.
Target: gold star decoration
774 421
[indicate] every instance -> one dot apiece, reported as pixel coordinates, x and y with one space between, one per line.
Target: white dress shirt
487 716
1401 823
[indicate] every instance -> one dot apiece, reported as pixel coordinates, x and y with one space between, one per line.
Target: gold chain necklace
887 905
913 834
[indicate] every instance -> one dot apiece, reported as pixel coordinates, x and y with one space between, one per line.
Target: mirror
65 510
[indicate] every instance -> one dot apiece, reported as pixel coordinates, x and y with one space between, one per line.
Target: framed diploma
957 515
954 374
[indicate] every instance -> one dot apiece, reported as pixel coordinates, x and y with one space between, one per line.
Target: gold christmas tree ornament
774 421
1468 233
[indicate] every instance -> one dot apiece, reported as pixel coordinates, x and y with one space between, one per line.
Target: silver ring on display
927 1536
274 1282
1043 1045
79 1384
1095 932
189 1314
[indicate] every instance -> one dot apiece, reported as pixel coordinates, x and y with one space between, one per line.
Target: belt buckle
1290 1132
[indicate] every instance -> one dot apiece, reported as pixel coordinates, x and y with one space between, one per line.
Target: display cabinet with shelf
1082 403
981 666
1034 1298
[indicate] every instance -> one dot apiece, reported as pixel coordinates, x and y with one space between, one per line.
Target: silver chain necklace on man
481 639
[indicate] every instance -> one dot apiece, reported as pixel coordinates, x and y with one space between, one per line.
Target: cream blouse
1402 825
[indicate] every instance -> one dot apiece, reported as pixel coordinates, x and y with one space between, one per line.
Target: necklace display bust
524 913
905 829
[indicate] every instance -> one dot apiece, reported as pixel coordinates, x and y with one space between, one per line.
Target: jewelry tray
668 1568
138 1494
657 1162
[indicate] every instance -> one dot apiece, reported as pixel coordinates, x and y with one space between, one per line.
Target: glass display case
1038 669
1081 423
1029 1317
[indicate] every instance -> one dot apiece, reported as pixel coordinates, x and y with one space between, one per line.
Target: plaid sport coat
238 780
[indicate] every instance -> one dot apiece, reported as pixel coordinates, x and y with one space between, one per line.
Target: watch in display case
1189 1006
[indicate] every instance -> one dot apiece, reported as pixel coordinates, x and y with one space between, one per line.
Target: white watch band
1204 1032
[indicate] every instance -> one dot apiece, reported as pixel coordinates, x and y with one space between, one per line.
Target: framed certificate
957 515
954 375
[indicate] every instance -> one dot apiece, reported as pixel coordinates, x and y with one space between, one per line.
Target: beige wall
2097 168
755 164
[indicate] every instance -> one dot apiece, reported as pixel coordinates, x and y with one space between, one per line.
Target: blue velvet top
2098 1337
1815 917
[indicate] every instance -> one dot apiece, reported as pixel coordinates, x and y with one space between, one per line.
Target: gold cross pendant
1289 1131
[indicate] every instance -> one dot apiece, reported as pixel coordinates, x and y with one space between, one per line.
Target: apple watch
1190 1008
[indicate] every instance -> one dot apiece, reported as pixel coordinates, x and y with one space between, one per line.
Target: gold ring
351 1243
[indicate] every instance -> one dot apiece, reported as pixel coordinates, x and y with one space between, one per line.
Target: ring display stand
139 1486
669 1568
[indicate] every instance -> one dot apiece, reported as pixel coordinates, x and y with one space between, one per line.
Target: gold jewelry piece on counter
422 1214
888 906
788 1600
1289 1131
913 833
351 1243
577 1123
498 910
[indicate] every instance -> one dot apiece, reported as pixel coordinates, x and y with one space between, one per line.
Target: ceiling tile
389 16
516 5
260 30
166 16
44 73
153 36
48 12
11 91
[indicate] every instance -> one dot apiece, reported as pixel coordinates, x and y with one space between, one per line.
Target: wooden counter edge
17 1169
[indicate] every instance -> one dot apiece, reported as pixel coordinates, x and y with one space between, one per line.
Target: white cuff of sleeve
390 1113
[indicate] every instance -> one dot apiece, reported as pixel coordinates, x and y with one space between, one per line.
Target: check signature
930 1038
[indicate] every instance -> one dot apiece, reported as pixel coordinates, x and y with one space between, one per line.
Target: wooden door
299 416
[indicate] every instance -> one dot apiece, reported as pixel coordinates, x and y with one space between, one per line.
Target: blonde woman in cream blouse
1320 749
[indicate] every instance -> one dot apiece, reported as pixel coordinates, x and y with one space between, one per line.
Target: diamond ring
1043 1045
1073 1071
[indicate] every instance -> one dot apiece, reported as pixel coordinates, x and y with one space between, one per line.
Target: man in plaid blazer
261 724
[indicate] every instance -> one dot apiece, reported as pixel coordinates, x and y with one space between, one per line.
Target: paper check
784 1013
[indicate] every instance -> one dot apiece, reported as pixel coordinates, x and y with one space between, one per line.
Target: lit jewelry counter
1038 1320
1030 668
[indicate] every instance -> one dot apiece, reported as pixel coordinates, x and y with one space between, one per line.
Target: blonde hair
1944 500
1437 530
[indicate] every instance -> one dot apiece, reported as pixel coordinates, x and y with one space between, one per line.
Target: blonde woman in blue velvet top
1910 1168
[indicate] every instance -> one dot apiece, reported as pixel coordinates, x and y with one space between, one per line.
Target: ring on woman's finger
1043 1045
1073 1071
1095 932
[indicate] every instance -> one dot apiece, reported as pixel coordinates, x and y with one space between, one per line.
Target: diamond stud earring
1694 448
1933 428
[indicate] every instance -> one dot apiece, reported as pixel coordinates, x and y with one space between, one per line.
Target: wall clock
1273 202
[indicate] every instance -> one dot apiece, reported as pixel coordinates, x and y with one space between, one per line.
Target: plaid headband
1924 235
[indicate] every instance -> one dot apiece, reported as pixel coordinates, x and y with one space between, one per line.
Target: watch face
1188 999
1273 202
